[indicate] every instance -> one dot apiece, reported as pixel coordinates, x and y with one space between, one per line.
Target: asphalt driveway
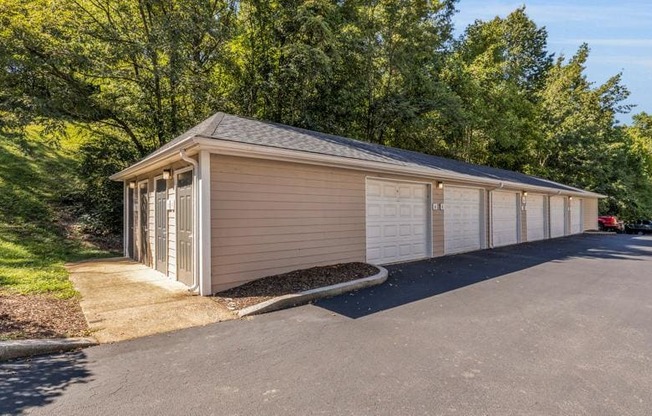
561 327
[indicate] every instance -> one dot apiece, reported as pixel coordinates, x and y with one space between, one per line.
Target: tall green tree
143 68
496 68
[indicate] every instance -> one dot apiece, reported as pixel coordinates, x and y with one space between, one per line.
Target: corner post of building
204 200
125 218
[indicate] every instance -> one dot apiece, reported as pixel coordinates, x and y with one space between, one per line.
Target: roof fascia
157 160
231 148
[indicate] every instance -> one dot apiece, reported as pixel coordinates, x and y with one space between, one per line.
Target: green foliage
133 74
34 178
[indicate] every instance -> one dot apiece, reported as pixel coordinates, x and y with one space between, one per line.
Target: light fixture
525 193
570 198
440 185
132 185
166 174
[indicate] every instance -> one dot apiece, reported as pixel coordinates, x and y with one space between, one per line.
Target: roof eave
154 160
232 148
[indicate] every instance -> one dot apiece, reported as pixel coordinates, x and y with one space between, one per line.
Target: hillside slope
36 297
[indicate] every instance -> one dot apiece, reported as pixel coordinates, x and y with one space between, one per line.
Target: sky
619 34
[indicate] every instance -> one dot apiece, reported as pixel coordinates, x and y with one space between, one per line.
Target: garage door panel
535 217
557 216
390 210
400 233
504 213
389 231
462 219
389 191
374 231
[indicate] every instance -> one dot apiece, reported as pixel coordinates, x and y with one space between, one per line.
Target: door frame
167 240
131 221
177 172
140 225
429 185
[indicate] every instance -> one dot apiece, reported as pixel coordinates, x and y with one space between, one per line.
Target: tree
143 68
496 69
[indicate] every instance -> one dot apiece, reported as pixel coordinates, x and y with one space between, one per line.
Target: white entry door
504 218
575 215
536 217
557 216
397 221
462 219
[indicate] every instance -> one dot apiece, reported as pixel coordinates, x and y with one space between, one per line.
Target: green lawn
34 179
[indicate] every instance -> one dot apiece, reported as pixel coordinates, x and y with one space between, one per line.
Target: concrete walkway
122 299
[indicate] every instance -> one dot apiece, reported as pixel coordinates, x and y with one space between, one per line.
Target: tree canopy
135 73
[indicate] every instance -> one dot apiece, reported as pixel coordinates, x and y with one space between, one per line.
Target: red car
610 223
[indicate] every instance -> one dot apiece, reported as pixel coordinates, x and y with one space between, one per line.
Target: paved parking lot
561 327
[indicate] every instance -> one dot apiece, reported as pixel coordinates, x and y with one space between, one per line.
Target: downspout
195 220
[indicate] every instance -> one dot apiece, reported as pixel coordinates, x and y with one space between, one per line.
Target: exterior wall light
440 185
166 174
132 185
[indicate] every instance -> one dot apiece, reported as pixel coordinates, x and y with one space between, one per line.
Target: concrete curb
29 347
596 232
301 298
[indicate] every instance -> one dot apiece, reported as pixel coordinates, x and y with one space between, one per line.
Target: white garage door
504 216
557 216
462 219
576 216
536 214
397 221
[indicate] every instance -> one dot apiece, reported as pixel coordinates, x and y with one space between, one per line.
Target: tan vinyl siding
272 217
437 222
590 214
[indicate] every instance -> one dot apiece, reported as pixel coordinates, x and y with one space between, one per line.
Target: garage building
236 199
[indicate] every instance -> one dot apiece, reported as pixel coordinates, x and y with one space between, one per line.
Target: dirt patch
40 316
270 287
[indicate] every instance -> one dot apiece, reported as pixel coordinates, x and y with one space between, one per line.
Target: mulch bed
267 288
40 316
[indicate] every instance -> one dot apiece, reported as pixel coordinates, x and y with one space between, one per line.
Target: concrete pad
123 299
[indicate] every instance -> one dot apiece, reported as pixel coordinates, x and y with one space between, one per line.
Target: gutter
195 220
232 148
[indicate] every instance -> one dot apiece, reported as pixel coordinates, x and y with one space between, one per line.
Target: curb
29 347
301 298
595 232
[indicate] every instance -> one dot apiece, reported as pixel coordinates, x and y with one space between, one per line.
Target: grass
35 176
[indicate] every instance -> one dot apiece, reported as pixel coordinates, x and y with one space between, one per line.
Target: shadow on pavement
38 381
410 282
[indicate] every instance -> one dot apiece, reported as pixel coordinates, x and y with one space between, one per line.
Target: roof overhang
231 148
157 160
193 144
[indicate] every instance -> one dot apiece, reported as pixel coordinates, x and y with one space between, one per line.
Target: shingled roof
250 131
